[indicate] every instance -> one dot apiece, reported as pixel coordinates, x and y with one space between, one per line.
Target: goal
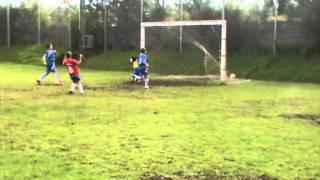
187 48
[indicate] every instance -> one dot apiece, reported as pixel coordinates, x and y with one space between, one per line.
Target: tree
306 12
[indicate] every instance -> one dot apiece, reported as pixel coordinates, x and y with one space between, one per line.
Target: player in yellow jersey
135 76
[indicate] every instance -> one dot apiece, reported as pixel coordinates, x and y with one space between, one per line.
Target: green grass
180 130
281 68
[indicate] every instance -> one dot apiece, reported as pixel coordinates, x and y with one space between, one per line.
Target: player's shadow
177 83
50 84
127 85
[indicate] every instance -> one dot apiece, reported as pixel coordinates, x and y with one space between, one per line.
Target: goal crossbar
222 23
183 23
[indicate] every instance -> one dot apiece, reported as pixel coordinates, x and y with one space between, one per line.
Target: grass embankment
280 68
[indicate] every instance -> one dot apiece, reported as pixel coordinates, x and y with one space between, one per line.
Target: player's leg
56 74
73 84
137 78
57 77
135 75
44 75
146 80
80 87
76 81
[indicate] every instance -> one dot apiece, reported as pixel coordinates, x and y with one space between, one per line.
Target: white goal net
186 48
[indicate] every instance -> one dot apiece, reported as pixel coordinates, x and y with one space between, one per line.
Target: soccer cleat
59 83
38 82
71 92
146 87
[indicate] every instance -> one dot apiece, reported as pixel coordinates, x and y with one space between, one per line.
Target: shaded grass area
25 55
121 131
280 68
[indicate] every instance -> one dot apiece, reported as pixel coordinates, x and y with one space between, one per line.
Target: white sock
43 76
146 83
73 87
57 77
81 88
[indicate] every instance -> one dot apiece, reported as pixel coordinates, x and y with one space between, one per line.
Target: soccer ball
233 76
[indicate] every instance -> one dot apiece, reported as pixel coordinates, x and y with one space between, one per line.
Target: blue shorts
51 67
75 78
143 70
136 71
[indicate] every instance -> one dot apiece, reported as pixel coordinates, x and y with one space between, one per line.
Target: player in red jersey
74 71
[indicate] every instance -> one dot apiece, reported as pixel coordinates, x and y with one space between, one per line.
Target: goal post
223 43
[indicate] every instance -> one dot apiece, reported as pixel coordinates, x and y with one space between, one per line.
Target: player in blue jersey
144 67
50 62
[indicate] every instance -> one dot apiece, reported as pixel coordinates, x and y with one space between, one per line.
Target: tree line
249 30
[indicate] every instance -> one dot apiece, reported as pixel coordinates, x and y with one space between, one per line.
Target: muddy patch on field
314 118
203 176
98 87
154 176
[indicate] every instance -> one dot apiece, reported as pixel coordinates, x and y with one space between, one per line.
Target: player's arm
64 60
80 60
147 62
44 59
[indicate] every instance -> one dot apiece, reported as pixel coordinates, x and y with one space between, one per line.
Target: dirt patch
203 176
98 87
177 83
315 118
154 176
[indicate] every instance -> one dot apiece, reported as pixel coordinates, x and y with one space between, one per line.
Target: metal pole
82 23
79 27
105 27
142 37
181 28
276 5
39 23
142 11
69 14
223 66
8 25
223 13
69 31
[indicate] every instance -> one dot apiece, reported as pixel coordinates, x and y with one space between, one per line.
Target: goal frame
222 23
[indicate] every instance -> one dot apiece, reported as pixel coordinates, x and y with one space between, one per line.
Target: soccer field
174 130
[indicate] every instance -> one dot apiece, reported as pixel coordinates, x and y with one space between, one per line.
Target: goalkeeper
135 76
